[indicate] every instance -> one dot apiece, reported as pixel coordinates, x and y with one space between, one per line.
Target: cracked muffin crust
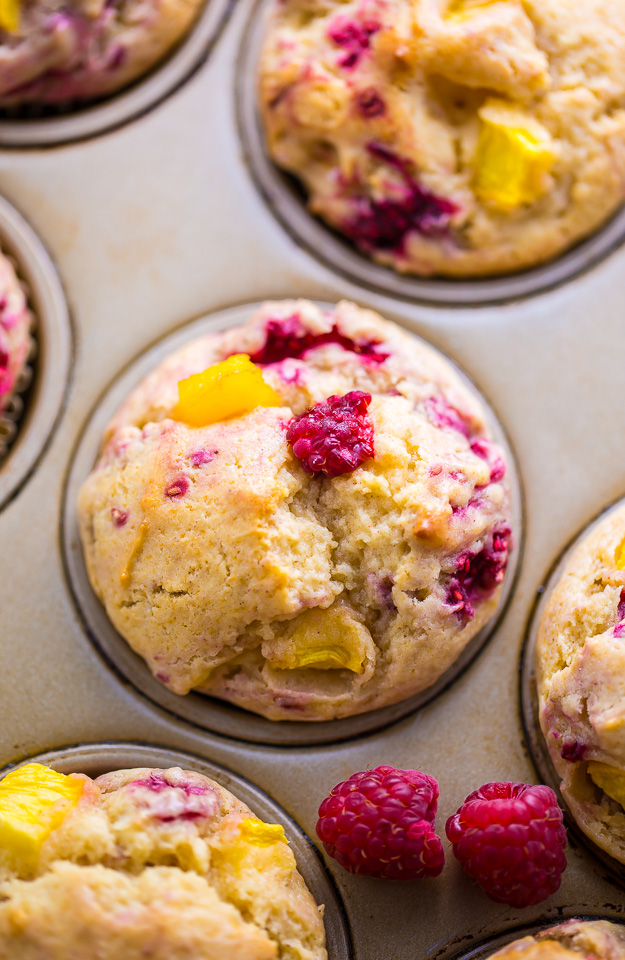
580 655
159 863
450 137
55 51
15 338
597 939
237 562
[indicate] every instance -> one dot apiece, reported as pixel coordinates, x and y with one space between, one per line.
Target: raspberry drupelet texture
335 436
381 823
511 839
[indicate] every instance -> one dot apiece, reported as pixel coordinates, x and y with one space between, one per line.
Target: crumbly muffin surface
15 325
581 682
59 51
599 939
451 137
232 571
159 863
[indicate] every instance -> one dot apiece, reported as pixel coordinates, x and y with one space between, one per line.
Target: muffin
598 939
450 137
15 338
323 539
138 863
581 682
59 51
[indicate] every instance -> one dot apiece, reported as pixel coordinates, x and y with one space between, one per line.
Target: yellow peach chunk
10 15
324 639
609 779
33 802
228 389
514 155
619 555
262 834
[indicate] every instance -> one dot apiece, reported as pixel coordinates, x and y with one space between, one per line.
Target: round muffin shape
233 571
59 52
165 863
580 653
450 137
15 338
599 939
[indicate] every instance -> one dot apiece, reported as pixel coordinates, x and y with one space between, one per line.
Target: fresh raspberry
381 823
510 838
335 436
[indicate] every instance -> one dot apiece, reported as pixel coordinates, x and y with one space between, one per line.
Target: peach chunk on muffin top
306 515
451 137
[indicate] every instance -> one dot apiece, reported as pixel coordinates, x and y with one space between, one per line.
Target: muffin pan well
207 712
486 948
159 222
286 200
26 426
529 695
95 759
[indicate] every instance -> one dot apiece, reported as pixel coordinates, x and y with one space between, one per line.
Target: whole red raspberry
381 823
335 436
510 838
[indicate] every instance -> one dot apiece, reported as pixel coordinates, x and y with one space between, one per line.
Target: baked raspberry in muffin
58 51
598 939
146 863
15 338
581 682
312 524
451 137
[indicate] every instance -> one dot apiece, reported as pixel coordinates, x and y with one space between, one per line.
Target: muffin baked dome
569 941
450 137
146 862
58 51
15 338
580 655
234 568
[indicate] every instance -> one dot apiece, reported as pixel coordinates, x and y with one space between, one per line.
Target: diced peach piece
619 555
324 639
228 389
34 800
514 155
10 11
609 779
262 834
252 845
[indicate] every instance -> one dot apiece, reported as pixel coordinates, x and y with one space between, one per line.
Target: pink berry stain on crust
177 488
573 751
354 38
619 630
198 802
119 517
477 575
483 448
370 103
288 339
333 437
201 457
441 413
510 838
381 823
385 224
157 783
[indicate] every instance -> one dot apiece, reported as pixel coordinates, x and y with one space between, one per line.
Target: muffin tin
160 222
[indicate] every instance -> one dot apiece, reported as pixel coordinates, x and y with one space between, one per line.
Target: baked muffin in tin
62 53
580 650
328 549
146 862
15 333
570 940
459 138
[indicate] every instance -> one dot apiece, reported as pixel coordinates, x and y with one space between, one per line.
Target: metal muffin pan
160 222
285 198
95 759
529 695
29 126
208 712
35 414
485 949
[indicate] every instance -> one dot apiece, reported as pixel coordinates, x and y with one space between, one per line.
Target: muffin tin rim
528 695
131 103
193 707
55 338
342 258
310 862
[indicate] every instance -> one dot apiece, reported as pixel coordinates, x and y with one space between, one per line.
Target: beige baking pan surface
160 222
